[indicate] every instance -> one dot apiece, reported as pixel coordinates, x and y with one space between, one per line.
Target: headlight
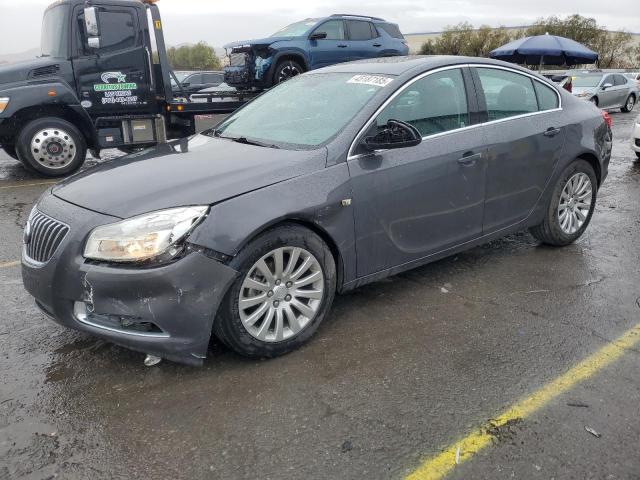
4 101
143 237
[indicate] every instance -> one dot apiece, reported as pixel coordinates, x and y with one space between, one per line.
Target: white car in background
635 139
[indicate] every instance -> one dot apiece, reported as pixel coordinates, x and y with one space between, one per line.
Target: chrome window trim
366 126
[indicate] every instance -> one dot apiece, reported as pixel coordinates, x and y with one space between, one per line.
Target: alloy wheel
281 294
630 104
575 203
53 148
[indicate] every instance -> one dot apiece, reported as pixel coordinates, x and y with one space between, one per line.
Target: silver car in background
606 90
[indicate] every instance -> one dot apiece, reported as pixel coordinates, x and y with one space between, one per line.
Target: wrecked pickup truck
310 44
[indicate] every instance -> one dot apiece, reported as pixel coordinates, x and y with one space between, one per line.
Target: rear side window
507 94
359 30
118 30
619 80
547 97
392 29
434 104
333 28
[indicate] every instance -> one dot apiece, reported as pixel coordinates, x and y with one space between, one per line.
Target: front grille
43 236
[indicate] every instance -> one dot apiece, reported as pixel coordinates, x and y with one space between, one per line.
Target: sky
220 21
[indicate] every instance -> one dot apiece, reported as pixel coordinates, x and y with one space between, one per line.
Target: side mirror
395 134
607 85
318 36
92 27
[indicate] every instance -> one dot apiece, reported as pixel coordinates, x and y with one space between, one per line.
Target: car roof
411 63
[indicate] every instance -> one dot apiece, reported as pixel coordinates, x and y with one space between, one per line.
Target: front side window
305 111
547 97
507 94
433 104
333 28
359 30
608 81
117 30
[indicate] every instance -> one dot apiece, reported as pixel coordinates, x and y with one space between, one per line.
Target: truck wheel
285 70
11 151
51 146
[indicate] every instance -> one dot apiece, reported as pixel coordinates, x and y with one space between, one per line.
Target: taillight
607 118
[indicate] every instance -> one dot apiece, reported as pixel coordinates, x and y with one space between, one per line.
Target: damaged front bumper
166 310
248 68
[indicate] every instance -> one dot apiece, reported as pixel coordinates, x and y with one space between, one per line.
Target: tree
193 57
464 39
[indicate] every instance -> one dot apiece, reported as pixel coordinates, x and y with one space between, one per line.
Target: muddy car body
345 202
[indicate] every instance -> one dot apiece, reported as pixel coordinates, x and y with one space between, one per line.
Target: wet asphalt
399 370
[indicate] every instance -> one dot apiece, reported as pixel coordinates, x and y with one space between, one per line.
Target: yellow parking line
440 465
23 185
10 264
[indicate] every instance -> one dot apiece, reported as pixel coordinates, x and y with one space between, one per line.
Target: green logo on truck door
119 92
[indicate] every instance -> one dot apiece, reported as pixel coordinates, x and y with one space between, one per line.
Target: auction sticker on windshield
376 80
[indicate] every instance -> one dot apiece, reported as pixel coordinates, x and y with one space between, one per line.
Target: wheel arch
81 122
310 225
593 161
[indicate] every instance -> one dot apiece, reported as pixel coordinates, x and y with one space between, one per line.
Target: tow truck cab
103 81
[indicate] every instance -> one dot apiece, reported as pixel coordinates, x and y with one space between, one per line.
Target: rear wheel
285 70
630 103
571 206
285 289
51 146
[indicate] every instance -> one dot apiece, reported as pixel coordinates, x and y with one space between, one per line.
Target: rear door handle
551 132
469 159
377 44
342 46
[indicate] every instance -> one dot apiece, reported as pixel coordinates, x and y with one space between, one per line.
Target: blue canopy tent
545 50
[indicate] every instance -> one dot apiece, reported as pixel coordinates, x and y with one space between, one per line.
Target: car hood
199 171
20 71
258 42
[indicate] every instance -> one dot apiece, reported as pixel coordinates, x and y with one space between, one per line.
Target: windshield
53 40
303 112
586 80
297 29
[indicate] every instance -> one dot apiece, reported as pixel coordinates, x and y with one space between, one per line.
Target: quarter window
434 104
359 30
547 97
507 94
333 28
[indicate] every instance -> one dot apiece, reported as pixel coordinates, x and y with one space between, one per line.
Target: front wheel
571 206
51 146
285 70
630 103
285 289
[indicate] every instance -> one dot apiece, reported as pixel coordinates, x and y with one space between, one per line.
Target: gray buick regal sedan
333 179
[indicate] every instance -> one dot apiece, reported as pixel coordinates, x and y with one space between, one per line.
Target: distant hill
18 57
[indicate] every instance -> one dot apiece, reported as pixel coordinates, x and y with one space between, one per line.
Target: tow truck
103 81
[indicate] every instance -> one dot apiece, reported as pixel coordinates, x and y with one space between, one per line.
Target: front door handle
551 132
342 46
377 44
469 159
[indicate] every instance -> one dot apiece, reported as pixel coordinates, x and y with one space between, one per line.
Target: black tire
594 100
629 104
228 326
72 156
285 70
550 231
638 155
